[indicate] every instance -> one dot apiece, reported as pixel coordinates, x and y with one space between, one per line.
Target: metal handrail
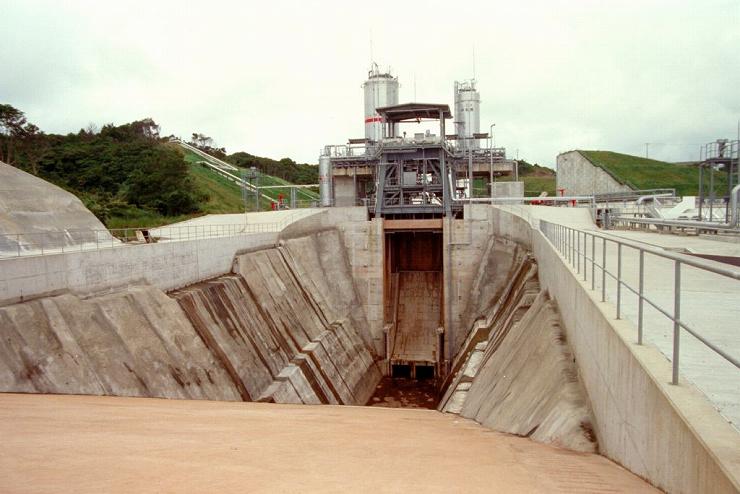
699 225
567 241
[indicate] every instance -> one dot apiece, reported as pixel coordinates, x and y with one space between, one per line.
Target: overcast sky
279 78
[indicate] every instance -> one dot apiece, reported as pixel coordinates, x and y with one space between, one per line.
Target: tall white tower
467 113
381 89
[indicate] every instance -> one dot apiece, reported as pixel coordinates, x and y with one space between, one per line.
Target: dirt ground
86 444
404 393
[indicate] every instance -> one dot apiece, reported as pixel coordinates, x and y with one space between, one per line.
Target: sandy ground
104 444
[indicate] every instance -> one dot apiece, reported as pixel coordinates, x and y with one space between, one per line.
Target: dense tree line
126 170
113 169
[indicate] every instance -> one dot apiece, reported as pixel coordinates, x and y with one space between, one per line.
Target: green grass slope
644 173
224 193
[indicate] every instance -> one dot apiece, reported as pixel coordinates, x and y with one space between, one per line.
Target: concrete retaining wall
166 265
364 243
286 327
670 435
507 189
578 176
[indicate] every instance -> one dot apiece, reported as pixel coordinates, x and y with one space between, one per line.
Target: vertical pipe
578 251
619 280
676 318
640 295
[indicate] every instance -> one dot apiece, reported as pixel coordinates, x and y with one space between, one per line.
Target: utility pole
490 151
647 147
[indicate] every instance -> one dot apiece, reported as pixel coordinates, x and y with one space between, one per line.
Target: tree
201 141
12 122
147 128
34 146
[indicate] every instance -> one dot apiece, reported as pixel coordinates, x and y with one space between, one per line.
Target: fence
46 243
575 245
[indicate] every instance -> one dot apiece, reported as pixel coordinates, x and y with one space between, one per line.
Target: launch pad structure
419 176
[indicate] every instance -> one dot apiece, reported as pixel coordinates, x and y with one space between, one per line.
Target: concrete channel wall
364 247
286 326
670 435
166 265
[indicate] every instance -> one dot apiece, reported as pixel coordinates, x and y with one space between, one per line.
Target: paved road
103 444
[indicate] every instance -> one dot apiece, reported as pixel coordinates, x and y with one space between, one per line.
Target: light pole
490 152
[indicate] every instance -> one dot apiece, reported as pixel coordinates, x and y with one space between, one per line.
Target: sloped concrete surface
418 317
522 378
132 343
47 215
79 444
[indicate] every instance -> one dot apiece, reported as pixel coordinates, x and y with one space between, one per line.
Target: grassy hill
644 173
225 195
216 195
536 178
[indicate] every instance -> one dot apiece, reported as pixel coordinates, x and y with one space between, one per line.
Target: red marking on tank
373 119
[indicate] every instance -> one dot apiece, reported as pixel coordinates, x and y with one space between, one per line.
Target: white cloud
284 78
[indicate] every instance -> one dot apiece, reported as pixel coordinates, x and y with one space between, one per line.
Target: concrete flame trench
289 324
327 315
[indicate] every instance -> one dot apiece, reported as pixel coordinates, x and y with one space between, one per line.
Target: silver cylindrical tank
467 113
325 179
381 89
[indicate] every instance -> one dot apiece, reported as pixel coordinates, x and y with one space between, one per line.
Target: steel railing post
640 295
578 251
571 246
676 319
585 257
593 262
603 270
619 280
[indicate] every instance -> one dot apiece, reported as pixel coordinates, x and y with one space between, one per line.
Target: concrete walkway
102 444
710 303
